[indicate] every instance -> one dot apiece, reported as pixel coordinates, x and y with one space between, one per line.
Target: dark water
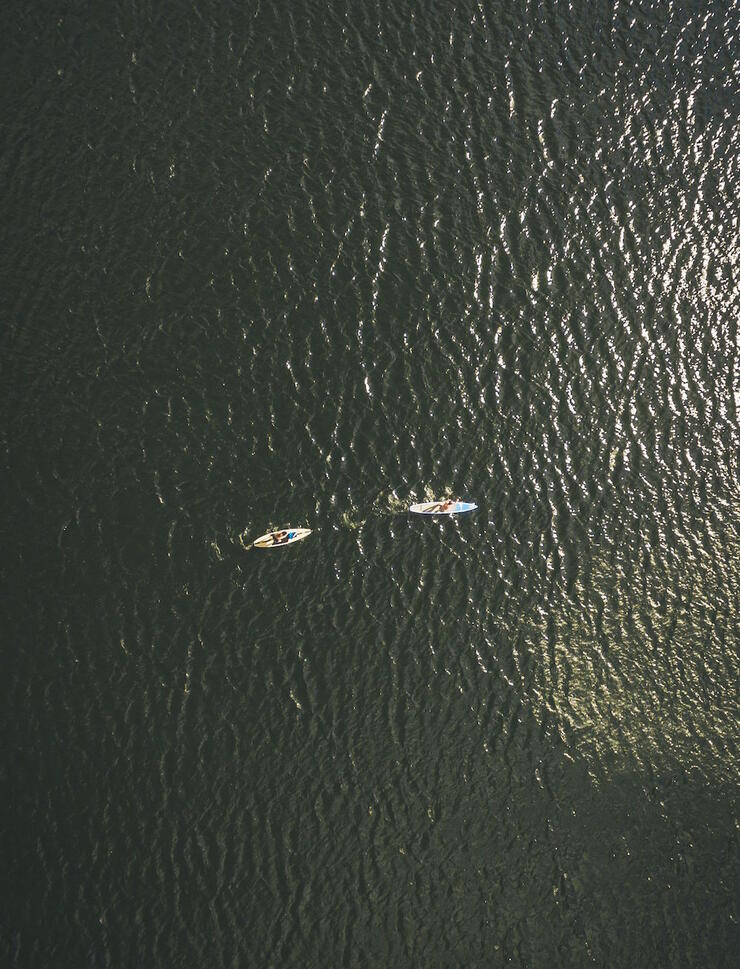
304 263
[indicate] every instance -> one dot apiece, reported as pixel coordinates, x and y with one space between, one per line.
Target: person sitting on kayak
280 538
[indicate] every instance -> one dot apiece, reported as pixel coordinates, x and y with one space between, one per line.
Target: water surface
290 263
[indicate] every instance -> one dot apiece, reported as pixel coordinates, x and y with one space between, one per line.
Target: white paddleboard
444 507
286 536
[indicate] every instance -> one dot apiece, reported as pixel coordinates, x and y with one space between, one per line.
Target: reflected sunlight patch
638 667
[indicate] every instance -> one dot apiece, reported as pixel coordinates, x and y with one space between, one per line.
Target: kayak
286 536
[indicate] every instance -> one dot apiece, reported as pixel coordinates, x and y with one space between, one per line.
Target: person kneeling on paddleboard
441 507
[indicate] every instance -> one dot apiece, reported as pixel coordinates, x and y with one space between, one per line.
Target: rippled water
274 263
